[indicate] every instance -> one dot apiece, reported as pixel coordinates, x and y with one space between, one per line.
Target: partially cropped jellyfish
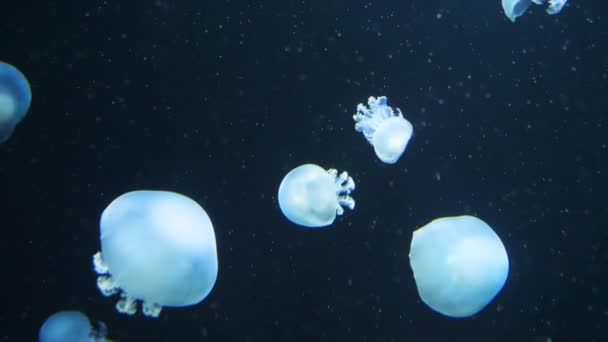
459 265
312 197
15 99
386 129
158 247
71 326
516 8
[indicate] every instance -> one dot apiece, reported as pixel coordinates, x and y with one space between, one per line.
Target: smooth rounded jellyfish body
158 247
15 99
70 326
459 265
386 129
312 197
516 8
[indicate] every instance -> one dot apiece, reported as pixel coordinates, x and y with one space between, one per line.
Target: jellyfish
312 197
15 99
516 8
71 326
386 129
459 265
158 247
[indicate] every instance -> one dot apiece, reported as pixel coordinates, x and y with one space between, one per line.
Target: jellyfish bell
311 196
70 326
383 127
15 99
459 265
158 247
7 108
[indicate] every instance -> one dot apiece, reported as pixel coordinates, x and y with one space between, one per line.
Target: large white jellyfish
459 265
158 247
386 129
15 99
516 8
312 197
70 326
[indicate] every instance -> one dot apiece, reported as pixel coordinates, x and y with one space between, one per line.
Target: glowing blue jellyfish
312 197
386 129
157 247
516 8
70 326
15 99
459 265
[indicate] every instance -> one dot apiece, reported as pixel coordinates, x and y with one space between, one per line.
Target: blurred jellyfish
386 129
70 326
157 247
459 265
516 8
312 197
15 99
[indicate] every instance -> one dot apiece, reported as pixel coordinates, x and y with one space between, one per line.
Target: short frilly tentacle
109 286
151 309
105 283
99 265
100 334
368 119
344 186
556 6
553 6
126 304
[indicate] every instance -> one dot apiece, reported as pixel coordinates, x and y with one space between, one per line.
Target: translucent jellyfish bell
386 129
70 326
459 265
15 99
158 247
516 8
312 197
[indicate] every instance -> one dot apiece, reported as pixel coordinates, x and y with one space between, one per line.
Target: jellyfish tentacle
99 265
107 285
126 304
344 186
555 6
151 309
346 201
516 8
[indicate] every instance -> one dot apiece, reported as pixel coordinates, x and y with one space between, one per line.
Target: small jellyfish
459 265
70 326
15 99
516 8
158 247
386 129
312 197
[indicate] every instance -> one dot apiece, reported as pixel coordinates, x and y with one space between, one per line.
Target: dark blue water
219 99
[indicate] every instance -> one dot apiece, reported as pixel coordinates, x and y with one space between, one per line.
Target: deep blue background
219 99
